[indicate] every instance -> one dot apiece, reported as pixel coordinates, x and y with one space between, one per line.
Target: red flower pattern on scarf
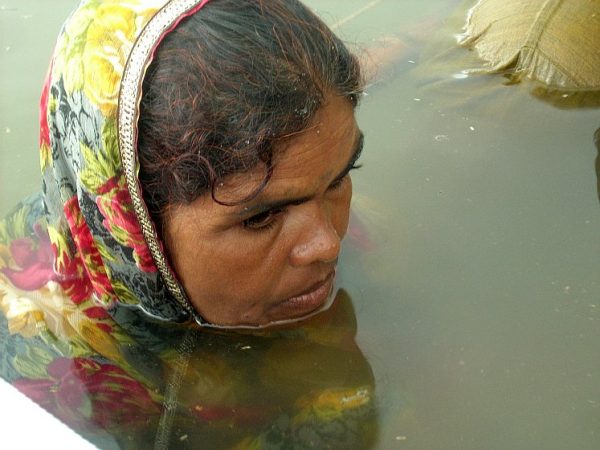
115 204
35 262
44 128
85 271
81 390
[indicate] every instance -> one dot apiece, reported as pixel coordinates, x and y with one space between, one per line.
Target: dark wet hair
227 87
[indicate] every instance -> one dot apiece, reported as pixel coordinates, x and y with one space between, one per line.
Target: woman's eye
263 220
340 181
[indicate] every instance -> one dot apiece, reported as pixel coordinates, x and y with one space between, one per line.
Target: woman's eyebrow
277 204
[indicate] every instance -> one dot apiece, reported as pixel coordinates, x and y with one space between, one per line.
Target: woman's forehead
319 152
331 133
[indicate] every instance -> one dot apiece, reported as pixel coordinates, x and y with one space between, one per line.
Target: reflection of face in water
307 386
597 141
301 387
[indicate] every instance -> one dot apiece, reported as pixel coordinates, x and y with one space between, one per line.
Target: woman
196 160
233 128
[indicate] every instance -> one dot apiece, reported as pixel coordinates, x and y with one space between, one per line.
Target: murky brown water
477 293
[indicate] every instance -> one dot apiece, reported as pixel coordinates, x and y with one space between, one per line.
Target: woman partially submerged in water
196 159
215 184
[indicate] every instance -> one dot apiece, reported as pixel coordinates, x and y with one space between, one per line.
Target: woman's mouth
306 302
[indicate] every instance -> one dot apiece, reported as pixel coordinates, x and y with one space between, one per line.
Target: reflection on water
477 301
155 386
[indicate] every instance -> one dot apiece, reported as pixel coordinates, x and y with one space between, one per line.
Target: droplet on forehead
302 112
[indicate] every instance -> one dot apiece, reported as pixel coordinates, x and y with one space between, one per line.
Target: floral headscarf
107 249
79 283
79 262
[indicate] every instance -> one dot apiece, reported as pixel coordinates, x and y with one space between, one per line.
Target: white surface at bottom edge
25 425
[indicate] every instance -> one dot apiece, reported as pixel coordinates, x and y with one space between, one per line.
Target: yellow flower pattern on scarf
92 60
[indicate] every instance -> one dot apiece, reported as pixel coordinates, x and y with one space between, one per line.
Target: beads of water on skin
302 112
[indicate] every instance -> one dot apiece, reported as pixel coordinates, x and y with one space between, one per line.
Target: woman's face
274 257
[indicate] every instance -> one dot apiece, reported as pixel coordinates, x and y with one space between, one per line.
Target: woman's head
195 157
250 104
273 257
229 88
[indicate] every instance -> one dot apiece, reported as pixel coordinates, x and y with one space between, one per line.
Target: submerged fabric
88 329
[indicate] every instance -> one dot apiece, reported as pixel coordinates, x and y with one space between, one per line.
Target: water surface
475 288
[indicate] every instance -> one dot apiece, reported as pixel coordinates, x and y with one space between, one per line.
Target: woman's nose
320 242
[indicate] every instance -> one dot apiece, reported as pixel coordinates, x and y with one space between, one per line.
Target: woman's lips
305 303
